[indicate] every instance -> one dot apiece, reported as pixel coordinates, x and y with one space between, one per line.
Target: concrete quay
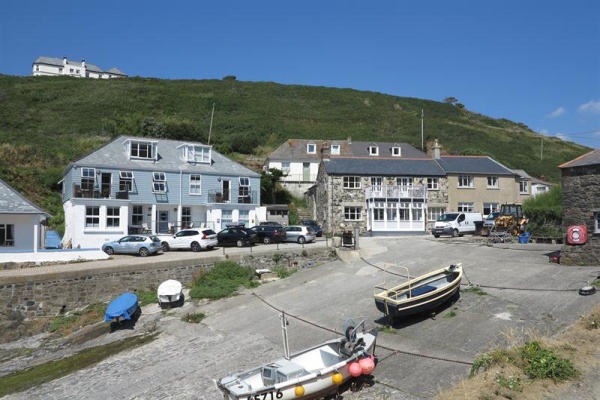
423 355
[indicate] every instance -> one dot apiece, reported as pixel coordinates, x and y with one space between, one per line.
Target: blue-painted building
150 185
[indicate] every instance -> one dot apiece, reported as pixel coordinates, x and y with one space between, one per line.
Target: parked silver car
299 234
143 245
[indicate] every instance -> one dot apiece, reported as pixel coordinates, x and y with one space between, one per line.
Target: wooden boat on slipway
309 374
420 294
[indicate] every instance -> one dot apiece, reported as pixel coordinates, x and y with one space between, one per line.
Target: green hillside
46 122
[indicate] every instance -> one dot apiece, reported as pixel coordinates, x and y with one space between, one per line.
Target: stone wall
581 199
52 294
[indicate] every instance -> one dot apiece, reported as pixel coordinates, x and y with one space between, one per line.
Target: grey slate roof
591 158
58 62
295 149
12 202
383 167
525 175
473 165
114 155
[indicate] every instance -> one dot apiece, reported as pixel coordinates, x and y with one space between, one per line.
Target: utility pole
422 145
211 121
542 149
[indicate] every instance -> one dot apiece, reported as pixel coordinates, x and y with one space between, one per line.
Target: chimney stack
436 150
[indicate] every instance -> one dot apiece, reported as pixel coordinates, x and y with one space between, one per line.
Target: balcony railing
396 192
224 196
82 193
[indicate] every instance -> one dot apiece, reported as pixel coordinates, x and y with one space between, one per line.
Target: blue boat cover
121 307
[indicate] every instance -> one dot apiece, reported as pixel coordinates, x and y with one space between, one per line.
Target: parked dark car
271 223
269 233
316 228
235 236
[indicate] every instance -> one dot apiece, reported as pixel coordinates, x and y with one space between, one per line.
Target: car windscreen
447 217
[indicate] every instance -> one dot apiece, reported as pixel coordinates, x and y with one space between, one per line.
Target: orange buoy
299 390
355 369
367 365
337 378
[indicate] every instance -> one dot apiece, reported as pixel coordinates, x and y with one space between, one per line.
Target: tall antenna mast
211 121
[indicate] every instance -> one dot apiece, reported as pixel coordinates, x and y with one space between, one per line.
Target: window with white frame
523 187
7 235
433 183
379 211
465 181
244 187
373 150
392 212
492 182
88 179
353 213
404 211
396 151
141 150
197 153
376 182
335 149
137 215
466 206
434 212
417 212
244 217
226 217
125 181
489 208
186 216
113 218
596 222
92 217
285 167
195 184
311 148
159 182
351 182
403 181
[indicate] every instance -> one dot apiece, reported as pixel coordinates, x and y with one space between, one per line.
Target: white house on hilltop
53 66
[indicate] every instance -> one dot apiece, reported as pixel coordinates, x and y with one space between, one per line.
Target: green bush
221 281
541 363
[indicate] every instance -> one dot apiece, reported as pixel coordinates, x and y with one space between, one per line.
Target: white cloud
557 113
562 137
590 107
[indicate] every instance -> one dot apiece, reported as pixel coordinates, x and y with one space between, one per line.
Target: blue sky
535 62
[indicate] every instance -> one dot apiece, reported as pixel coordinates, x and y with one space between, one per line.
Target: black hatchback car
235 236
269 233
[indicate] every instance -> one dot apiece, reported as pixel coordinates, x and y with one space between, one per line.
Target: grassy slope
46 122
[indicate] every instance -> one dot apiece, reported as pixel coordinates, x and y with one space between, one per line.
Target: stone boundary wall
52 294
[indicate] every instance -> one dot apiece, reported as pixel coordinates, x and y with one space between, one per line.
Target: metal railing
396 192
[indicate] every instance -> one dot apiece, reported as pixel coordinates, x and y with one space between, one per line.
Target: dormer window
197 153
335 149
373 150
311 148
141 150
159 182
396 151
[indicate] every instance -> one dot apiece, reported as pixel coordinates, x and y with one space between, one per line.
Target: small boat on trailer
123 308
170 293
420 294
309 374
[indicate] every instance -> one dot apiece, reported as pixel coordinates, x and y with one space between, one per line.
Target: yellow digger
511 219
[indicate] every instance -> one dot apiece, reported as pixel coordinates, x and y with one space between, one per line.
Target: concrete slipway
523 291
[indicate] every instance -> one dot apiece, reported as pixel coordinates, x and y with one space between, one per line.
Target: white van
456 224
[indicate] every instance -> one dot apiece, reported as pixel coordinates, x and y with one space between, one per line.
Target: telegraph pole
211 121
422 146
